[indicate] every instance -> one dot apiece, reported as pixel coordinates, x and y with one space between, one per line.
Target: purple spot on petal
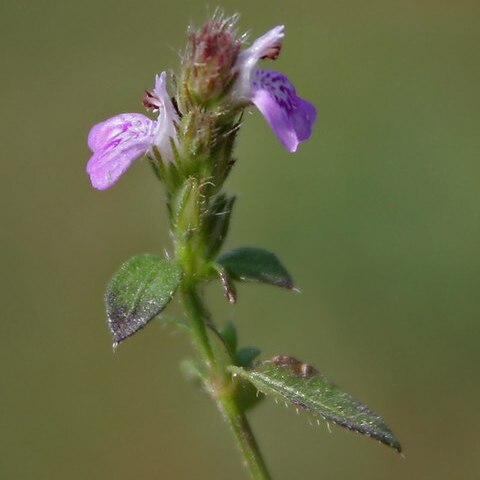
290 117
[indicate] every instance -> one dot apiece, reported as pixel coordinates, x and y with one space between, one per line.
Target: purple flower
289 116
117 142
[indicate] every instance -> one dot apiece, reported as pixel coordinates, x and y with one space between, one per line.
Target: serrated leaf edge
251 377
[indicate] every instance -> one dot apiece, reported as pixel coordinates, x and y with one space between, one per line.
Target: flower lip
290 117
267 46
157 98
167 119
118 141
263 46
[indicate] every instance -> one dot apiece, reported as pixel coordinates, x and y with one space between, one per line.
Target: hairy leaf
247 395
139 291
217 223
302 386
256 265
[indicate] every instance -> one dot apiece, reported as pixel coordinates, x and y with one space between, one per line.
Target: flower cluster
230 77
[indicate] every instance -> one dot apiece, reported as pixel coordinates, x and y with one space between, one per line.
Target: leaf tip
397 446
288 284
139 291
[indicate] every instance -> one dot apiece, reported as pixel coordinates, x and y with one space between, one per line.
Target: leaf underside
256 265
302 386
138 292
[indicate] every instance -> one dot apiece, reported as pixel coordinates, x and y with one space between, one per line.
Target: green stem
196 315
244 437
221 388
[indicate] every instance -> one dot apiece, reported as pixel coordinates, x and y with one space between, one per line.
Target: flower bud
210 60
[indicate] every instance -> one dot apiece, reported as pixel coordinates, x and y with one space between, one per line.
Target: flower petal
289 116
116 143
167 118
266 46
263 46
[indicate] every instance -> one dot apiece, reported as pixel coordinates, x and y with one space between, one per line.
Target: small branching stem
220 386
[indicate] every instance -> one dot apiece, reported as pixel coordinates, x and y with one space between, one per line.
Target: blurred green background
377 218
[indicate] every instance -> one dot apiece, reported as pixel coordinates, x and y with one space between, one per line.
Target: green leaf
229 335
246 355
301 385
247 395
217 223
139 291
193 372
256 265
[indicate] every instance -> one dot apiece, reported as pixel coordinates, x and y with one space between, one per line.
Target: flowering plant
190 145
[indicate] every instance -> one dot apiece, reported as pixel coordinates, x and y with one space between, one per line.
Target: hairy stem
220 386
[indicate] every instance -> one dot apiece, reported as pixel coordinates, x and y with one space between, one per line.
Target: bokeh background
377 217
